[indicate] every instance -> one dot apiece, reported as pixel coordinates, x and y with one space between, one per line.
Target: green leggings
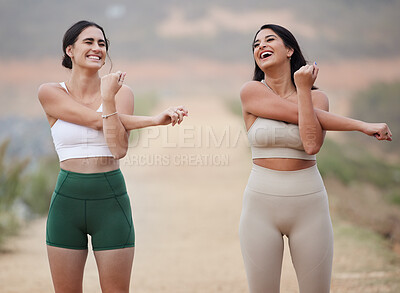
96 204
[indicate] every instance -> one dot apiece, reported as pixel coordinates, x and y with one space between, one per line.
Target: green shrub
351 163
39 185
11 179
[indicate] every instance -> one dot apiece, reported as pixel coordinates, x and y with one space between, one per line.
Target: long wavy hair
296 61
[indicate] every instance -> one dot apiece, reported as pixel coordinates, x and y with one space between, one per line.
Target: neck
84 84
279 81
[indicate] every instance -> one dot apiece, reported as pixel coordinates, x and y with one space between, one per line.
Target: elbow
120 154
97 124
312 149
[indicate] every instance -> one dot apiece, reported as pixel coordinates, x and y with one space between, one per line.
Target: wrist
154 120
360 126
302 89
108 97
109 105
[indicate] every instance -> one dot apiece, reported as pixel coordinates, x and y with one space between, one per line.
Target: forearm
287 111
131 122
283 110
311 132
114 131
334 122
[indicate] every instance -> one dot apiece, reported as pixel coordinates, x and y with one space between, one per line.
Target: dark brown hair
296 61
71 35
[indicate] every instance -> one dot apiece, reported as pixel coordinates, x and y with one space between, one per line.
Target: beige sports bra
276 139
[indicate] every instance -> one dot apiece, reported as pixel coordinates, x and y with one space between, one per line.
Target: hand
171 115
305 76
111 83
379 130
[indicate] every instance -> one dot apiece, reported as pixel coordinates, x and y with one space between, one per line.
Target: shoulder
320 99
250 86
251 89
125 99
48 90
125 93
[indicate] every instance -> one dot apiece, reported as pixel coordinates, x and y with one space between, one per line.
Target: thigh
115 267
66 223
311 246
66 266
261 243
110 223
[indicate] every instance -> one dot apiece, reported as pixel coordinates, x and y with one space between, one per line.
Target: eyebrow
92 40
266 37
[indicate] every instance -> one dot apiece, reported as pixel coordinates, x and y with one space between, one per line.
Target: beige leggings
291 203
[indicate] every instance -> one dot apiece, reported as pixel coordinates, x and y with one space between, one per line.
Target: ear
290 52
69 51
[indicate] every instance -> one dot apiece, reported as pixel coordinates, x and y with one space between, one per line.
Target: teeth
265 55
94 57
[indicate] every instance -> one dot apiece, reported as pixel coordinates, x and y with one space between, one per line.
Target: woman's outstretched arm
258 101
59 105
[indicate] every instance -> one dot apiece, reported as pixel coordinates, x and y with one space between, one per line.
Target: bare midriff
284 164
90 165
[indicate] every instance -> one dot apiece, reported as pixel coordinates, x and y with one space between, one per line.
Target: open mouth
94 57
265 55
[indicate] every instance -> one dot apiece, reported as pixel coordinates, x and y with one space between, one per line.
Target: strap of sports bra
64 86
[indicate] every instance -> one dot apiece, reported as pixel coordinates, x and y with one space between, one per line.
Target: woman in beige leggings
286 118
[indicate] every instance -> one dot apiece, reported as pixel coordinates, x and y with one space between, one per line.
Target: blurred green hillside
218 29
380 103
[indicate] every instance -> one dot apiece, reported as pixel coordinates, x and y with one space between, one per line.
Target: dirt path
186 186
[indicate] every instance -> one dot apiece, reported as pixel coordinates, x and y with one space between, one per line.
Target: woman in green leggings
90 119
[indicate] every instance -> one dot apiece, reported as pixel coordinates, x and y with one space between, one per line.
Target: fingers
183 109
174 118
383 133
121 77
177 114
315 69
388 134
118 76
172 115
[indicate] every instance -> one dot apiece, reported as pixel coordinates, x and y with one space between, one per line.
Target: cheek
255 55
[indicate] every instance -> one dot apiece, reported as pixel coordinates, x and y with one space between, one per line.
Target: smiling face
89 49
269 50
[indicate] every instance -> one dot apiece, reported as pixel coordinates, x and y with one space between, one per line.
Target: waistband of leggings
90 175
90 186
285 183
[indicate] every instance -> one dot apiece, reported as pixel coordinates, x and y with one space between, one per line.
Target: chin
94 66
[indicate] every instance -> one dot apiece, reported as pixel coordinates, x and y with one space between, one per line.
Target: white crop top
75 141
276 139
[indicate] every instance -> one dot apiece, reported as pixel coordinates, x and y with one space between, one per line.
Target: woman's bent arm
114 131
59 105
311 132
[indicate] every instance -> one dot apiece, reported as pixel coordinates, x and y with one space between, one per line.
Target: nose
262 45
96 47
